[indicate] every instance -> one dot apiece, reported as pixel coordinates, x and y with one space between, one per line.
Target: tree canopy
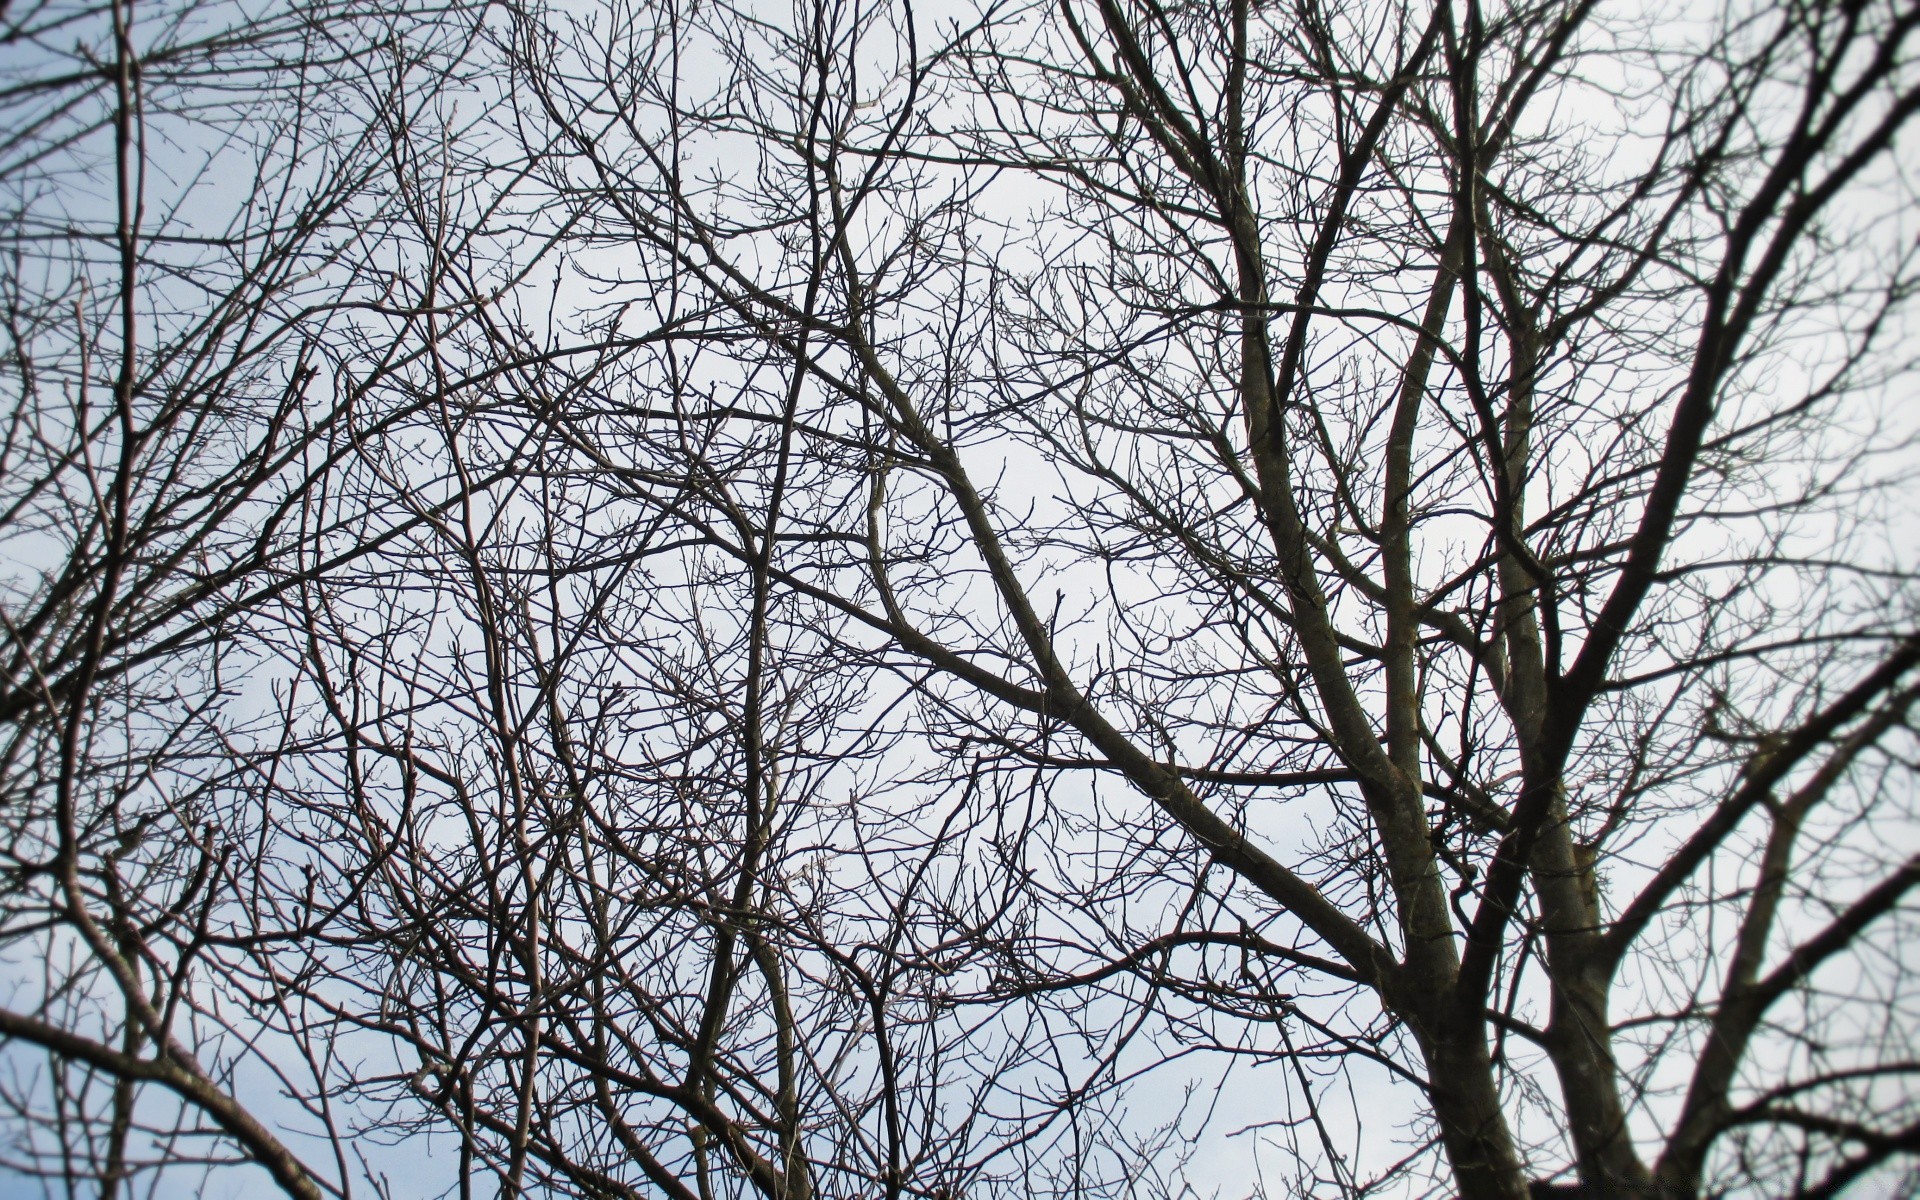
849 599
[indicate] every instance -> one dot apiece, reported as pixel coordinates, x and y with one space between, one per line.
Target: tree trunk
1466 1103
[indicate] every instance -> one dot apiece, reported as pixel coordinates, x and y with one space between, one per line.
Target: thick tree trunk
1580 1031
1478 1143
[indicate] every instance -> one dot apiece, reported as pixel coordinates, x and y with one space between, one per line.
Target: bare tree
846 601
618 855
190 196
1438 459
